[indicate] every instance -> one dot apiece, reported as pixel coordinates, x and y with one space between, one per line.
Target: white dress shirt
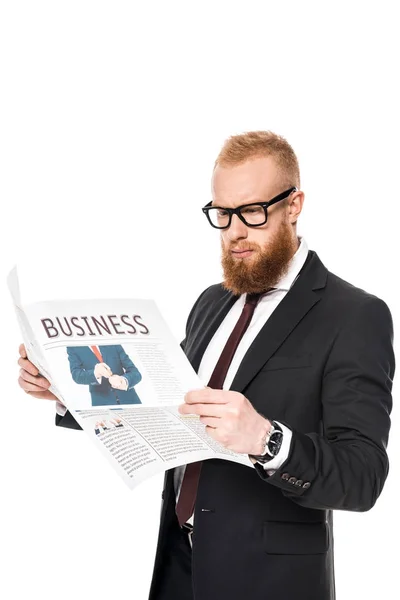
264 309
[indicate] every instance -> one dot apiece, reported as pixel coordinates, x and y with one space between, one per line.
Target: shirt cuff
61 409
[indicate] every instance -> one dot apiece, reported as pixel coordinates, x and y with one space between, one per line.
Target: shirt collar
295 265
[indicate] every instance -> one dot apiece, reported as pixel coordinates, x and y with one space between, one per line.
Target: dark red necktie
187 496
97 353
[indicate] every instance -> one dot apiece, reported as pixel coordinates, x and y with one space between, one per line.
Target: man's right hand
102 370
30 380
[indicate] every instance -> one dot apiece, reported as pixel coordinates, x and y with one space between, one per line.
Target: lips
242 252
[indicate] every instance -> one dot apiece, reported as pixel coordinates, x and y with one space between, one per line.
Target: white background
111 116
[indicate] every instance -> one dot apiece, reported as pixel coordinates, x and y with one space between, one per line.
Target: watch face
275 443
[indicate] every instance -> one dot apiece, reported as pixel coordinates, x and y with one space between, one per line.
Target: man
306 364
108 371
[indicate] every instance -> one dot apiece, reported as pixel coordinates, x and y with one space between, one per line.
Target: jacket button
306 485
292 480
299 483
285 476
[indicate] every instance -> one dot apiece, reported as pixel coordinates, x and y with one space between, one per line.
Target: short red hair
253 144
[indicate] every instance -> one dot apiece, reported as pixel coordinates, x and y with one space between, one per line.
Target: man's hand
30 380
118 382
102 370
229 418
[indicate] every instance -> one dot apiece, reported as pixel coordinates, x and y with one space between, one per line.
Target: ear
295 206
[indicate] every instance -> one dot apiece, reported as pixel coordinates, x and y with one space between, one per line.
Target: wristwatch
273 443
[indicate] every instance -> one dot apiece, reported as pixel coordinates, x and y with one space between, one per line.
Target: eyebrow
257 201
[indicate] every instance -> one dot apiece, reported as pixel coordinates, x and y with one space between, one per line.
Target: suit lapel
195 348
299 300
88 355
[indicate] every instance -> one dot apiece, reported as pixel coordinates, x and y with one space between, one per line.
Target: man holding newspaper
298 366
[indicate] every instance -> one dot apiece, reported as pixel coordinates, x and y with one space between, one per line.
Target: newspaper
122 375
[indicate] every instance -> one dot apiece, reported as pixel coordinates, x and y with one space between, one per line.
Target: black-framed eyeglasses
252 215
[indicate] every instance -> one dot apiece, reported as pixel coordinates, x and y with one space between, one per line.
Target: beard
267 265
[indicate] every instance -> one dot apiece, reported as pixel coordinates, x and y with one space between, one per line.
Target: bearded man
298 367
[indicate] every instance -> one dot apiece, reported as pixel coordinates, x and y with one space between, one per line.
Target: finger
22 351
38 380
194 396
46 395
30 387
206 396
203 410
28 366
213 422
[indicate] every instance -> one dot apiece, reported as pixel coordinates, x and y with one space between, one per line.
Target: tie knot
252 299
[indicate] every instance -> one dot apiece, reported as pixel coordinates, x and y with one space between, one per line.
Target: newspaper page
120 372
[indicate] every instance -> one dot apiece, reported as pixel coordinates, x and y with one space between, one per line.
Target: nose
237 229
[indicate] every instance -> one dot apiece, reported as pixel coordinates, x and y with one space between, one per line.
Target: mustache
241 247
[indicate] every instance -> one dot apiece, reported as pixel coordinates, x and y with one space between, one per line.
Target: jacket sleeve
79 374
67 421
132 374
346 465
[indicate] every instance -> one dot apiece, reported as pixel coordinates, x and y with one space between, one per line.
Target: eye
252 210
222 213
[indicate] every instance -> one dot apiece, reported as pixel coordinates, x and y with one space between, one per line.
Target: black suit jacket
323 365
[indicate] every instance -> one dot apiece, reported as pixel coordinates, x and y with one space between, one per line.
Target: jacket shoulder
347 305
208 297
348 293
206 303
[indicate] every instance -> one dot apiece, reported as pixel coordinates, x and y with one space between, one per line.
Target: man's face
255 258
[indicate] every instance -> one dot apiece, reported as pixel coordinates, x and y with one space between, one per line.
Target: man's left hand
118 382
229 417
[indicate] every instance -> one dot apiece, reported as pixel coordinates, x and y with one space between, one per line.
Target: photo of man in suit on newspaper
108 371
